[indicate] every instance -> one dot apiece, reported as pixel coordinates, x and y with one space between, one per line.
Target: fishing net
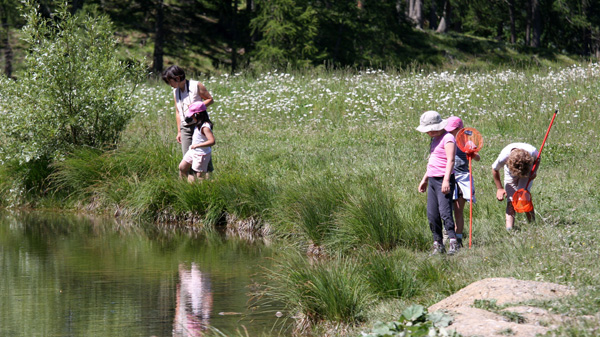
522 202
469 140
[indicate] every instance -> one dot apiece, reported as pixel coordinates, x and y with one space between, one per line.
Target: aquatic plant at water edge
324 290
415 321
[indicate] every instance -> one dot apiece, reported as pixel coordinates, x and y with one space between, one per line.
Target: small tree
74 91
288 30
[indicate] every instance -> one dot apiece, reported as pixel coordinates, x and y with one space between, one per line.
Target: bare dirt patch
472 321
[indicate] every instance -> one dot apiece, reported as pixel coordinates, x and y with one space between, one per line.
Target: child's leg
433 214
510 215
530 216
184 168
201 175
459 214
445 209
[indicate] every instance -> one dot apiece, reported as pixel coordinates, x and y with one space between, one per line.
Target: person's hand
533 175
423 186
445 187
179 138
500 193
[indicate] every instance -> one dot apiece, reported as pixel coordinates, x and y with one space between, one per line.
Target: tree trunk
433 19
8 52
399 12
234 34
76 5
590 43
415 13
528 23
159 38
511 14
500 31
445 20
537 23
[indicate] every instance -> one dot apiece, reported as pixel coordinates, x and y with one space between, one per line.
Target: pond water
72 275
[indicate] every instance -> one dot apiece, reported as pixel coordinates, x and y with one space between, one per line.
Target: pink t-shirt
436 167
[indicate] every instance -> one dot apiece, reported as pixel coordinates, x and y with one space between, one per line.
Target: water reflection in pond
75 276
194 302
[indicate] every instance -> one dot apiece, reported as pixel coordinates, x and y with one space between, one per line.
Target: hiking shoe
438 248
454 247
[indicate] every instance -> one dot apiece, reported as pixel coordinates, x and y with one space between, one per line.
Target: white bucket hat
431 121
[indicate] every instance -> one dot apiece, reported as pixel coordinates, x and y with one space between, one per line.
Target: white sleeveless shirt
186 98
199 138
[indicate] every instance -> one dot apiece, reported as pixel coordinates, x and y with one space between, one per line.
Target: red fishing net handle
521 200
537 160
469 141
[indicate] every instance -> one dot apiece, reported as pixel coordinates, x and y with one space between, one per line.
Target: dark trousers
439 208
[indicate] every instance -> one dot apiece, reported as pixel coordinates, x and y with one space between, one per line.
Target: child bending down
199 154
517 160
440 179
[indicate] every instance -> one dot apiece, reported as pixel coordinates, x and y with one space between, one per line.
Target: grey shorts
512 184
462 187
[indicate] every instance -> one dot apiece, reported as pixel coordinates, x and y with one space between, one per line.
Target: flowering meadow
327 163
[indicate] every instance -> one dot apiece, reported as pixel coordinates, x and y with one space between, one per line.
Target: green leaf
414 312
439 319
381 329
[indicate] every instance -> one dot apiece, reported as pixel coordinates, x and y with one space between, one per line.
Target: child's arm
178 120
500 192
423 184
204 94
537 165
450 148
210 139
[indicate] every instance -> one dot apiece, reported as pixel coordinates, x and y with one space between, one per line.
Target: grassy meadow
327 163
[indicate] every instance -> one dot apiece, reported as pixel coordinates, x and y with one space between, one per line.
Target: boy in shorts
517 160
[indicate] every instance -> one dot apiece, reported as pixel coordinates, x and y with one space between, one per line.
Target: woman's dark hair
202 117
172 73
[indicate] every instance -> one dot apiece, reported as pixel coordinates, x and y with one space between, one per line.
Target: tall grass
306 207
321 290
372 217
389 277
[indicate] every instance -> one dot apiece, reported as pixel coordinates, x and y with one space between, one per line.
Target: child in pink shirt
438 181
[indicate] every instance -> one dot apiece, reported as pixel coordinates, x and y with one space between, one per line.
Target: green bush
74 92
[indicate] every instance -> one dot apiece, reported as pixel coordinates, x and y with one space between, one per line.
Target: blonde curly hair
519 163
